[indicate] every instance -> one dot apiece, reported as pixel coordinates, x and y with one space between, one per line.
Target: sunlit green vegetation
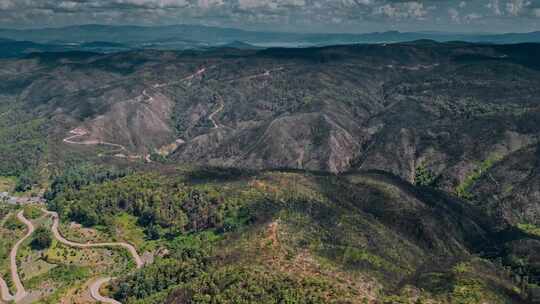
424 176
7 184
529 228
32 212
12 223
61 278
124 227
294 236
162 206
23 145
463 189
77 176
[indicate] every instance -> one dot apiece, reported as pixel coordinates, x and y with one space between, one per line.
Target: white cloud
403 10
210 3
472 16
515 7
272 4
454 15
6 4
495 7
351 3
308 15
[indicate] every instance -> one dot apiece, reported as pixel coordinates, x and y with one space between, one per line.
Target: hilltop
417 159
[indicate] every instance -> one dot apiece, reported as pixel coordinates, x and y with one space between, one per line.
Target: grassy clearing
32 212
61 254
32 265
125 228
8 237
30 259
43 221
100 259
7 183
58 281
5 211
76 233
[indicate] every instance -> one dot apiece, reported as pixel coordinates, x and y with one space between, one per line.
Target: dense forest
233 236
23 145
162 206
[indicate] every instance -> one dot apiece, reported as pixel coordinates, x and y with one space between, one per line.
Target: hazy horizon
427 31
303 16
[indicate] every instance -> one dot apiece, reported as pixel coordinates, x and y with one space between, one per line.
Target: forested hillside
390 173
302 237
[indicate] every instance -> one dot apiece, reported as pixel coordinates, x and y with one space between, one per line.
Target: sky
356 16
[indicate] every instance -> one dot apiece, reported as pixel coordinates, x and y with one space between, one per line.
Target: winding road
187 78
80 132
94 288
94 291
139 262
21 292
211 116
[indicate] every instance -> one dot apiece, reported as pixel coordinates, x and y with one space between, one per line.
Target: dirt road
94 288
79 132
94 291
138 260
211 116
144 96
21 292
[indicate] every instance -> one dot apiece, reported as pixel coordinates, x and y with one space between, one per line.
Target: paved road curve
21 292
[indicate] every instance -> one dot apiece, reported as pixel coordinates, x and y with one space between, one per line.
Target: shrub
424 177
42 239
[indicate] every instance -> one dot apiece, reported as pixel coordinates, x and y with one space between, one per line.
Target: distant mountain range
106 38
363 173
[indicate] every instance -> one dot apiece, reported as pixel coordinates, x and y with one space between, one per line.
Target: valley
383 173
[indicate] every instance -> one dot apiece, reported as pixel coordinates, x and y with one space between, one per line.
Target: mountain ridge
388 173
210 34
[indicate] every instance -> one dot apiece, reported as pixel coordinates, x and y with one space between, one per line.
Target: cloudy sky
283 15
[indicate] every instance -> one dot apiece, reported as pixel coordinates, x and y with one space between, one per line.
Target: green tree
42 239
152 232
424 177
25 182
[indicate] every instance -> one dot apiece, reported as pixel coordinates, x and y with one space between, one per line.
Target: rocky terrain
442 138
447 107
